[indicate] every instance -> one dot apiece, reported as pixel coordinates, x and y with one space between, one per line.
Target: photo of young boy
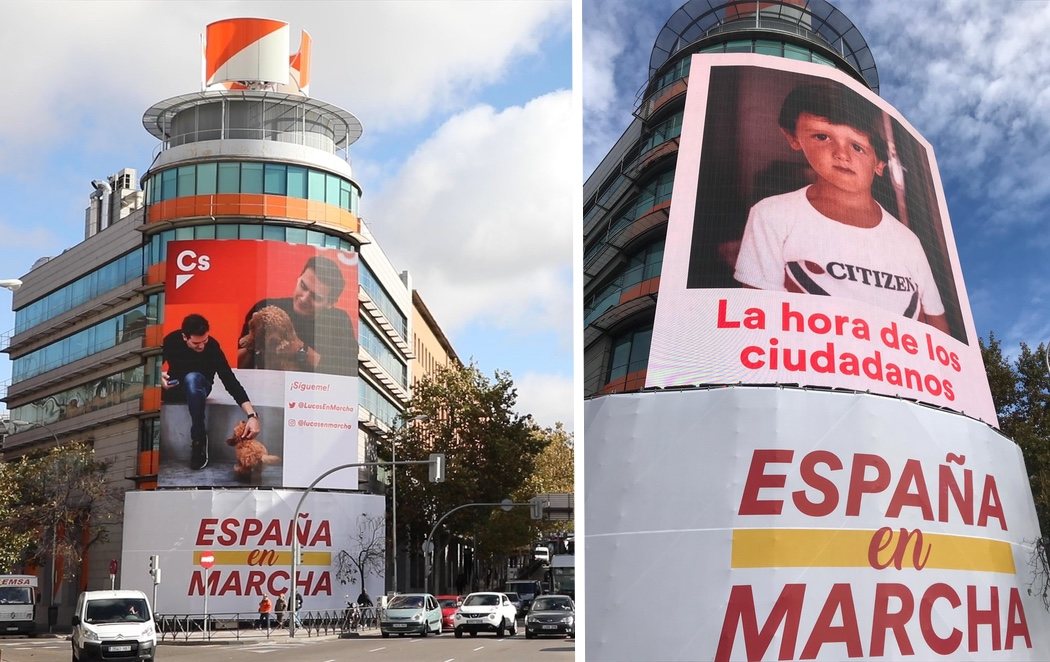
831 237
805 186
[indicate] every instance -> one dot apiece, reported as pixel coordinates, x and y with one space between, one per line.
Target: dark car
518 603
551 615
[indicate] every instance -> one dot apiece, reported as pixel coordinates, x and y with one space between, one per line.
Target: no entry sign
207 560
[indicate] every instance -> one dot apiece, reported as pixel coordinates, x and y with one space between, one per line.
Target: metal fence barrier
238 625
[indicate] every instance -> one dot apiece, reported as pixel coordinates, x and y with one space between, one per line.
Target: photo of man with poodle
194 358
304 332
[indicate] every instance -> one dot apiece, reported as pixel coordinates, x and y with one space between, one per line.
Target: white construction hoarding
249 534
766 523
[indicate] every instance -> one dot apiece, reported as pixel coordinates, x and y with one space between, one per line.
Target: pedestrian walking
265 608
279 608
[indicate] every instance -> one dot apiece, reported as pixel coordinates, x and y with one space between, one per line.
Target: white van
111 625
18 603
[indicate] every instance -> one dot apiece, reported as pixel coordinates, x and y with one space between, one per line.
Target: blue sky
468 159
971 75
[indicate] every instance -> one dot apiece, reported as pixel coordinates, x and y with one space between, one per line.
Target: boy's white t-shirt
791 247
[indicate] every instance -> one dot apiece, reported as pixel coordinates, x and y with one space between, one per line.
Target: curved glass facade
630 353
252 177
654 193
768 47
114 273
158 243
642 265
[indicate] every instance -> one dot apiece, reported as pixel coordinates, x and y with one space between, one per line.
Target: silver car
411 613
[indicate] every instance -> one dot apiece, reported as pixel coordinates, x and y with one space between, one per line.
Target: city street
445 648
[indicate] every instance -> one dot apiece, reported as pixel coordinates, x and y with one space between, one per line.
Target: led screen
281 340
808 243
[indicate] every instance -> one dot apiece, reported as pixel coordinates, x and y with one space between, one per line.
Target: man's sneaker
199 454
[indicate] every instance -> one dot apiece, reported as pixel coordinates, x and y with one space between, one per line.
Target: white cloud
388 62
482 211
549 398
976 92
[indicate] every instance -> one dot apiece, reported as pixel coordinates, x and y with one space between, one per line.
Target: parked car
551 615
518 602
411 613
449 606
486 612
113 624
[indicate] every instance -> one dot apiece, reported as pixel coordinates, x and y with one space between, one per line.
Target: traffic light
536 507
154 565
437 467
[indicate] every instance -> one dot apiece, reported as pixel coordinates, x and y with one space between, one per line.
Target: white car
486 612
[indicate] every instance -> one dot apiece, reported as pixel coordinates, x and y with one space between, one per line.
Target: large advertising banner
791 524
281 341
808 243
248 534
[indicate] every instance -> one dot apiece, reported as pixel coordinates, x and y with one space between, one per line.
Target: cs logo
188 262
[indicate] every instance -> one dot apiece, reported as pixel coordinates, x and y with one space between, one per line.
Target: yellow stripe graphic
265 558
834 548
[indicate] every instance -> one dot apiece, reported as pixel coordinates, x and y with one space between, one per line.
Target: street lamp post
10 284
437 474
393 486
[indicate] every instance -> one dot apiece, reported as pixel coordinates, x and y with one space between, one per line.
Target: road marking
376 650
478 648
451 659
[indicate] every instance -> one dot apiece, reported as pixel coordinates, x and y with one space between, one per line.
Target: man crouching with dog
194 358
304 332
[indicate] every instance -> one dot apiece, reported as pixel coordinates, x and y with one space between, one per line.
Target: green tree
66 503
491 452
1022 402
14 539
554 473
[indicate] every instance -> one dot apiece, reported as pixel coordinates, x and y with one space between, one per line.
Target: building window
378 404
641 266
108 333
669 129
253 177
158 246
378 350
630 353
371 285
123 386
678 71
113 274
149 435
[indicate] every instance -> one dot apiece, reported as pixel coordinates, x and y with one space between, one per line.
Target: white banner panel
808 243
249 533
784 524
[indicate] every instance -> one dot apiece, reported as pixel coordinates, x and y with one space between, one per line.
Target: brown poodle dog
271 343
251 454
